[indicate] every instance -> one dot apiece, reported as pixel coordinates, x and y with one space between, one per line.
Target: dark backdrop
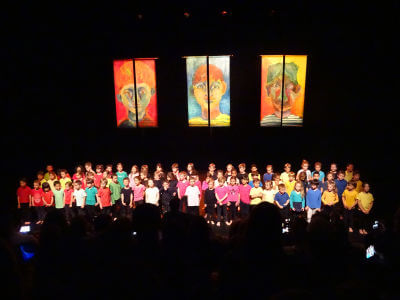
60 95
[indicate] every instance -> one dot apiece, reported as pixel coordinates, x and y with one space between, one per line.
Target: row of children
224 191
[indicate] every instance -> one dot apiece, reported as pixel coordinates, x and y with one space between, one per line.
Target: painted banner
208 104
146 98
274 112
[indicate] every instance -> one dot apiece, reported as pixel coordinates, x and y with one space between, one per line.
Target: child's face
220 174
211 185
234 173
67 187
221 183
297 187
316 176
190 167
137 182
330 187
341 176
268 185
241 169
105 174
232 181
256 184
313 186
98 170
77 186
49 168
317 168
244 181
78 170
229 168
57 187
109 168
165 185
254 169
211 168
356 177
291 178
333 167
46 189
158 168
150 183
305 167
269 169
89 184
350 187
126 182
115 179
287 169
350 168
36 185
156 176
182 177
22 183
119 168
281 190
63 175
134 170
329 176
52 176
40 177
192 182
88 168
174 169
103 184
366 187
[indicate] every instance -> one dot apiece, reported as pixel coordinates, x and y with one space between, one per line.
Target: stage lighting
224 13
186 14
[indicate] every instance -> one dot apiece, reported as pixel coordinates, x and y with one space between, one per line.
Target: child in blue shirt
121 174
91 200
269 174
313 200
282 200
341 185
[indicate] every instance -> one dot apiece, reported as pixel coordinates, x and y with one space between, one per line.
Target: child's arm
277 204
179 194
323 199
158 196
19 204
291 201
344 201
98 201
131 200
122 199
52 201
303 202
30 201
336 199
83 202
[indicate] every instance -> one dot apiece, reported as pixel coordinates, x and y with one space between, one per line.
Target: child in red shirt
37 201
98 176
68 208
104 197
24 200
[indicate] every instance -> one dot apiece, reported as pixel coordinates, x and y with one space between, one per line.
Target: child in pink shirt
138 191
233 198
221 193
244 195
182 186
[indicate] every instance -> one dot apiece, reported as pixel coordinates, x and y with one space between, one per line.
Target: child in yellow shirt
330 198
365 202
256 193
356 179
349 199
290 183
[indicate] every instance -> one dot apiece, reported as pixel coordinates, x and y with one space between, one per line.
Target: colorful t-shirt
290 186
97 179
182 185
104 195
63 181
296 197
284 177
115 189
59 198
313 198
121 176
281 198
48 197
350 197
138 192
329 198
366 200
79 197
268 196
91 195
244 192
68 196
193 195
348 176
221 192
23 193
359 187
233 193
253 192
37 197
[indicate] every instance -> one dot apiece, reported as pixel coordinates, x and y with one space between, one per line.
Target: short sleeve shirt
151 195
244 191
193 195
115 189
91 195
79 196
253 192
59 198
127 195
221 192
105 197
23 193
233 193
366 200
37 197
138 192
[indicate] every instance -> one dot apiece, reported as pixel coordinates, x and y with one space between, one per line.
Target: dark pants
183 203
117 207
221 209
210 210
297 212
126 211
91 211
25 212
232 211
69 212
40 212
80 211
139 202
363 220
193 210
348 218
106 210
244 209
284 213
165 206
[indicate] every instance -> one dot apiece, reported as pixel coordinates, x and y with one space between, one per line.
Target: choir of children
227 194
